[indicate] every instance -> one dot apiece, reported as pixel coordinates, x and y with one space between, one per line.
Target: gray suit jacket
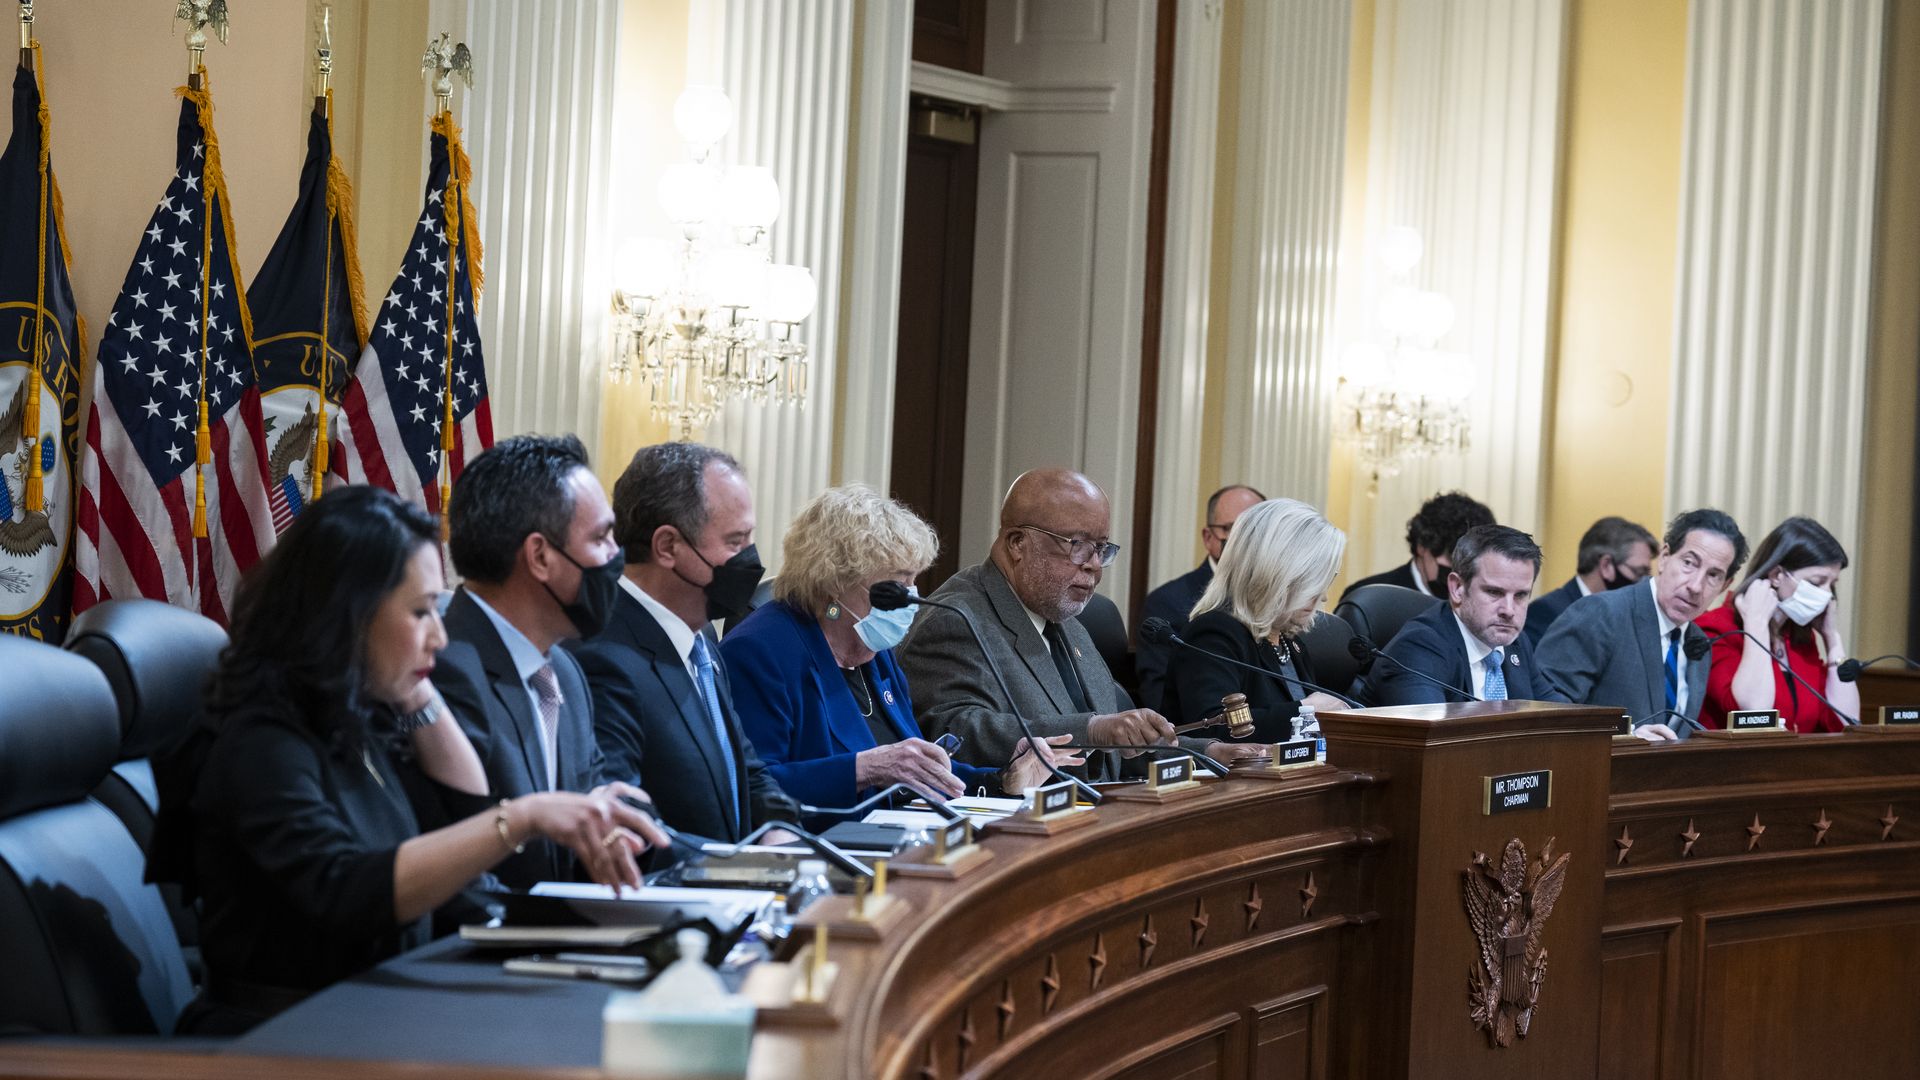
954 691
1604 650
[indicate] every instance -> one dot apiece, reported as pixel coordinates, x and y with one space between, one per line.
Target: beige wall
1353 252
1220 271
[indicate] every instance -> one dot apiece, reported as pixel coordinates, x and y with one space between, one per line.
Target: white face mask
1806 603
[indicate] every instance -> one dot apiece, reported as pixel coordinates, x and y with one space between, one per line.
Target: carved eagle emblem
32 531
1507 906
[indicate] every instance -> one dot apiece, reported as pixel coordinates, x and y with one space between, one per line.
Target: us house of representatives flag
40 343
173 500
417 407
309 324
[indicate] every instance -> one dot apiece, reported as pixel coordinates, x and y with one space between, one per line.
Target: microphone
1850 669
1365 651
1698 647
886 794
892 596
1158 631
1199 759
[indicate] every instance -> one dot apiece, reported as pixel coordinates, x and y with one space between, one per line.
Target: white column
1776 227
788 67
1465 147
1287 196
874 207
538 125
1186 285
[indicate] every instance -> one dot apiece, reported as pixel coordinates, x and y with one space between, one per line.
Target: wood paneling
951 33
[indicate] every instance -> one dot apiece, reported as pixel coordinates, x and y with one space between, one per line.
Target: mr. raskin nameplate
1900 714
1754 720
1517 791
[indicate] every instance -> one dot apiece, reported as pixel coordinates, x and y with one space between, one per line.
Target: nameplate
1052 800
1754 720
1517 791
1168 773
953 837
1289 755
1624 729
1900 714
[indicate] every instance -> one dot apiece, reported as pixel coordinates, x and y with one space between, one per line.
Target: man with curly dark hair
1431 534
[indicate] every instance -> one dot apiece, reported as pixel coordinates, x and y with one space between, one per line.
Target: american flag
178 343
396 434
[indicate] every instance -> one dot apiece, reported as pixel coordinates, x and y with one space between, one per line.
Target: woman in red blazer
1789 602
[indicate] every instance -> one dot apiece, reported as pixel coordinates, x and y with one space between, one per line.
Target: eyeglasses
1079 552
1224 530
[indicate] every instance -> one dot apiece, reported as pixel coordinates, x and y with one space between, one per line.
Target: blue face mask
882 630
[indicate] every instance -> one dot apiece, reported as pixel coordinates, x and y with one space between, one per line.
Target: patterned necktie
710 697
1495 688
1672 671
546 690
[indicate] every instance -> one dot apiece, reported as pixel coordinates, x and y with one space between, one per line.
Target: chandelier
707 316
1399 397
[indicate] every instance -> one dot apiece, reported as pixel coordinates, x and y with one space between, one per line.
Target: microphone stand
1199 759
1374 652
1850 669
1655 716
891 596
1778 663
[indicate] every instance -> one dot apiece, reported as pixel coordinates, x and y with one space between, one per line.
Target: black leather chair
762 593
1109 633
86 947
1325 643
1379 611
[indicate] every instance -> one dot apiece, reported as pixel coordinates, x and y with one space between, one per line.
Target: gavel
1233 713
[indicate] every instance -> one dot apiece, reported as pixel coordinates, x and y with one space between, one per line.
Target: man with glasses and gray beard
1026 598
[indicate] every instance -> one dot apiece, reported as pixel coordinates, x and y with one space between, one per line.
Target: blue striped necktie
710 697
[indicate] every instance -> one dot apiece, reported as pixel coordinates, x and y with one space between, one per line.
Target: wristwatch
424 716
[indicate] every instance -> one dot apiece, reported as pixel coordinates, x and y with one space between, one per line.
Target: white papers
654 894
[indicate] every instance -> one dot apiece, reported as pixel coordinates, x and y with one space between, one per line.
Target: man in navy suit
1614 553
1472 642
661 705
1174 600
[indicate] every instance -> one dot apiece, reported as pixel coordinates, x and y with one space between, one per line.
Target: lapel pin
886 696
1076 652
1514 659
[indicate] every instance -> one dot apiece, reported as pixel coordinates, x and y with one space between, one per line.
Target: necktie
1063 660
1672 671
546 691
710 697
1495 688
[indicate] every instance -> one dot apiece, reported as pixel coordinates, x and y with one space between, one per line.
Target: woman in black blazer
1272 577
288 807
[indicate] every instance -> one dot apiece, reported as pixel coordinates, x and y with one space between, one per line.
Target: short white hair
1281 556
845 537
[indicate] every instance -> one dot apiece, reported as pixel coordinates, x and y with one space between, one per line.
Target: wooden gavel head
1239 719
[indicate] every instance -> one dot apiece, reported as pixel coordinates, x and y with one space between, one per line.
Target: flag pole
34 496
443 61
200 15
323 99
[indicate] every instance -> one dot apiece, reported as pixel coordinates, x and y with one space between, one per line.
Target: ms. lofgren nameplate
1517 791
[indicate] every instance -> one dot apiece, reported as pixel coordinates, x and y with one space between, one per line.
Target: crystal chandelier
1404 399
708 316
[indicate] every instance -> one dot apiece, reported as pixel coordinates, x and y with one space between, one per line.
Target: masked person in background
661 704
813 673
1789 602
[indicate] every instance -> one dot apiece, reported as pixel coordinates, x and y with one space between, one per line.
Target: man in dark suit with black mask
1431 534
532 534
662 708
1174 600
1474 641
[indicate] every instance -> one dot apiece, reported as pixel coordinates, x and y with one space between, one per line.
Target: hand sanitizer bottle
684 1023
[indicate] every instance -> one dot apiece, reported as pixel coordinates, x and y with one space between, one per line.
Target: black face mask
1438 585
730 592
592 605
1619 581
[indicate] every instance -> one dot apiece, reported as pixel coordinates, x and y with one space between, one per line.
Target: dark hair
514 489
1213 500
1713 521
1612 536
664 484
1794 544
297 645
1496 539
1443 520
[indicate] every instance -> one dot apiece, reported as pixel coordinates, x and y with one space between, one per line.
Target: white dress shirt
1477 651
1413 571
678 632
1668 626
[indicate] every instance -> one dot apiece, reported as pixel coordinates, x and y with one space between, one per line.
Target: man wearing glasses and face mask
1046 560
1614 553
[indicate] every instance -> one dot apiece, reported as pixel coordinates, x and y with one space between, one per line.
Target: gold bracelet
506 832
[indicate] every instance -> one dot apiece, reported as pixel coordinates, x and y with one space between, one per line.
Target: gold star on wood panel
1005 1009
1252 906
1753 833
1820 827
965 1039
1097 961
1688 839
1887 822
1308 894
929 1069
1623 843
1199 921
1148 942
1049 986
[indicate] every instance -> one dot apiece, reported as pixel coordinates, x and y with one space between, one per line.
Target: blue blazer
1430 643
795 707
1547 607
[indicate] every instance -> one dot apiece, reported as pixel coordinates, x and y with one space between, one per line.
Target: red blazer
1802 711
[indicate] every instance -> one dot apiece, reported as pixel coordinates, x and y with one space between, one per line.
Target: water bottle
809 884
1309 727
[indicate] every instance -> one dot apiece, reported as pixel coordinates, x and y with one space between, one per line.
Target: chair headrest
156 657
59 729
